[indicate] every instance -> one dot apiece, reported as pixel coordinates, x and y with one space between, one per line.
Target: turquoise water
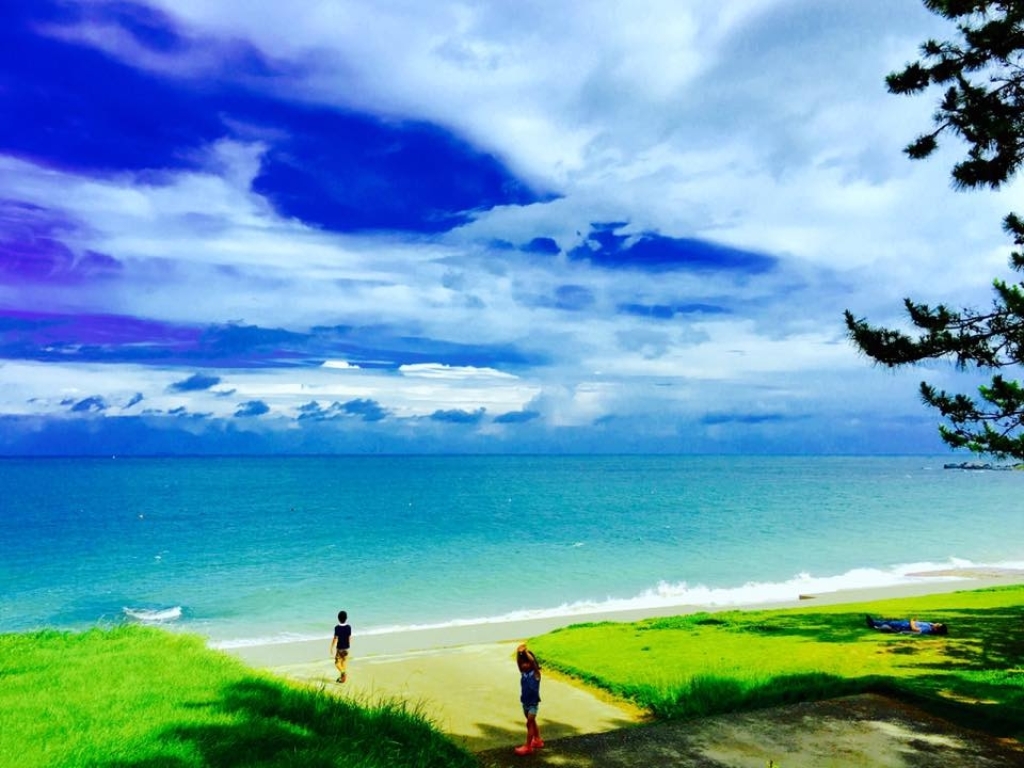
250 549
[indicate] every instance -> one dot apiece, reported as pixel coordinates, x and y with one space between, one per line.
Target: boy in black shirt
340 645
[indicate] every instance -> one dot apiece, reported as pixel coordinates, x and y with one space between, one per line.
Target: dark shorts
530 709
341 653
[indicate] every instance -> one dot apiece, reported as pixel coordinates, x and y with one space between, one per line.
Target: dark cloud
516 417
149 27
195 382
545 245
458 416
365 409
668 311
94 404
379 347
368 410
251 343
88 111
573 297
340 170
135 400
252 408
652 252
49 337
312 410
746 418
349 172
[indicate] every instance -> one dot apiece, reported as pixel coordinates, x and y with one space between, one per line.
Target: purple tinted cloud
124 339
32 248
89 338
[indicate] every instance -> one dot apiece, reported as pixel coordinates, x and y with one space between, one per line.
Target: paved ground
852 732
472 693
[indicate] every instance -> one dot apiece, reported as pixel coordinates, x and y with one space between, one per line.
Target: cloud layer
397 226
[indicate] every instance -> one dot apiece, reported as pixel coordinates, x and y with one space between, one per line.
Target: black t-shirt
343 632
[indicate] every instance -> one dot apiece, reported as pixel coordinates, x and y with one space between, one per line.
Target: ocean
254 550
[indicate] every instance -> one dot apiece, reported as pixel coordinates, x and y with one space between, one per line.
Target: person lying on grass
908 626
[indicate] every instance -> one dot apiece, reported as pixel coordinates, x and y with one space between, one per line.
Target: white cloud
451 372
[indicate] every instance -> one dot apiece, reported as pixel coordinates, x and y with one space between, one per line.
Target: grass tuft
144 698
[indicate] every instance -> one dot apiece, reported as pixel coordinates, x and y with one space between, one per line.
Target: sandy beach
465 680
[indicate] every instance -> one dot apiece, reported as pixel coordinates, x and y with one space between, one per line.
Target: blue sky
394 226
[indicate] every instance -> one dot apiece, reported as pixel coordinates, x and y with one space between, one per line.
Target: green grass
143 698
709 663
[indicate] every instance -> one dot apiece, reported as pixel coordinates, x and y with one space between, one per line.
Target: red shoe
525 749
537 743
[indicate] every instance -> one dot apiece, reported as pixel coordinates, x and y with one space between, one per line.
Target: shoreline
465 682
435 639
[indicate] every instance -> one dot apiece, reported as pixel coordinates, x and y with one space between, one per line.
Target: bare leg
341 664
532 736
533 732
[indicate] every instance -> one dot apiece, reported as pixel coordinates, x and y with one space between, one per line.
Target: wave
153 615
682 595
686 597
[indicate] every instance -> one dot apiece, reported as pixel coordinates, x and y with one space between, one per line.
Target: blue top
530 689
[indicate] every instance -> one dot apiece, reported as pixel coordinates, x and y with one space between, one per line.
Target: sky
390 226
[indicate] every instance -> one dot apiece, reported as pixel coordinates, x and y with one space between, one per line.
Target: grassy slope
149 699
717 662
141 697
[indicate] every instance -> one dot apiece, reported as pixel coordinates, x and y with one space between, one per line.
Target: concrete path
866 731
472 693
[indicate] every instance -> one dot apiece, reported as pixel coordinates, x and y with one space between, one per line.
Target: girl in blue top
529 697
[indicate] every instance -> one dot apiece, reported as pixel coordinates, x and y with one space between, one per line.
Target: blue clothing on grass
901 625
